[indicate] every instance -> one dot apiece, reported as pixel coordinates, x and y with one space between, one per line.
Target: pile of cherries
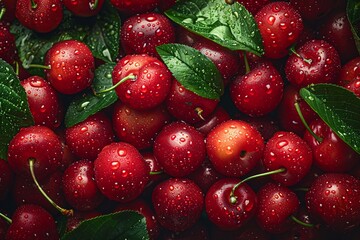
187 163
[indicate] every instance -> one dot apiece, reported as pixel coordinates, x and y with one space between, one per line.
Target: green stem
94 5
8 220
309 225
17 68
298 110
2 12
199 112
39 66
131 77
233 199
292 50
63 211
247 67
33 4
156 173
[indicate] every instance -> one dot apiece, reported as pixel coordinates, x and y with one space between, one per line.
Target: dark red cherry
166 4
7 44
178 204
196 232
131 7
312 10
350 76
84 8
219 115
9 6
186 37
156 169
6 179
205 176
266 125
71 65
39 15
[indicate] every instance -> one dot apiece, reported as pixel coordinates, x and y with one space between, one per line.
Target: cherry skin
135 6
155 167
335 200
276 204
222 211
71 65
80 189
39 143
87 138
121 172
331 154
7 44
280 26
318 62
219 115
44 102
44 16
205 176
139 127
259 91
312 10
166 4
234 148
350 76
32 220
289 151
84 8
266 125
6 178
140 34
178 204
151 83
180 149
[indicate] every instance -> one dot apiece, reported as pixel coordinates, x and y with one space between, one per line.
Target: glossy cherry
350 76
135 6
84 8
7 44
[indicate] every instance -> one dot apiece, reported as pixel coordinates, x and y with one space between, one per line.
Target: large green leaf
192 69
231 26
353 14
14 108
87 104
122 225
339 108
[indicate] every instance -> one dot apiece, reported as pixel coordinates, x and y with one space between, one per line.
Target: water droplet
115 165
271 19
282 144
122 152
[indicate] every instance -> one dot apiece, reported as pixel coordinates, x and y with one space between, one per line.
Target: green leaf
104 36
339 108
116 226
192 69
87 104
231 26
353 14
14 108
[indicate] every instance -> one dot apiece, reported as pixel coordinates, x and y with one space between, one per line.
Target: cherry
87 138
289 151
41 16
185 105
121 172
156 169
178 204
80 189
312 10
219 115
180 149
280 26
6 179
223 211
37 143
205 176
186 37
331 154
135 6
9 7
350 76
166 4
32 221
140 34
7 44
139 127
148 81
314 62
266 125
276 204
71 66
234 148
335 200
253 6
44 102
84 8
250 92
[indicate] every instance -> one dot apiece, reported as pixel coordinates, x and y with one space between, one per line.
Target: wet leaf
353 14
231 26
121 225
14 108
87 104
339 108
192 69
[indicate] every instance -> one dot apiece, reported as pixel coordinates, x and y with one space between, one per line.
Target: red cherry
219 115
84 8
10 6
134 6
205 176
266 125
7 44
350 76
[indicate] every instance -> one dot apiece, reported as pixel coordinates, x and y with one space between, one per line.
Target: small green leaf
87 104
104 36
353 14
339 108
192 69
14 108
231 26
122 225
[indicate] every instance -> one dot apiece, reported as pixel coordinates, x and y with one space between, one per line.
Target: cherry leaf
353 14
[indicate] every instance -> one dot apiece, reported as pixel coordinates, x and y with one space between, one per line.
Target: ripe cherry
6 179
205 176
7 44
180 149
134 6
41 16
121 172
280 26
178 204
234 148
140 34
71 65
84 8
219 115
350 76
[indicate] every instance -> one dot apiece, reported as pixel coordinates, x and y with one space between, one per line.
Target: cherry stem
65 212
94 5
33 4
301 189
8 220
156 173
247 67
131 77
298 110
39 66
233 199
292 50
17 68
199 112
298 221
2 12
